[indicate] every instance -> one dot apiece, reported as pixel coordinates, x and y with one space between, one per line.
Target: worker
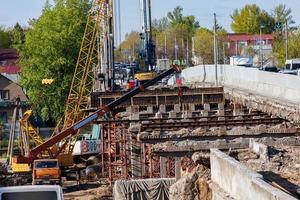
136 82
178 79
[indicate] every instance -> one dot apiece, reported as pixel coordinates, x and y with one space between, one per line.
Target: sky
12 11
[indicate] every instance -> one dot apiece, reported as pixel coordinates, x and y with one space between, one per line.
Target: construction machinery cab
46 171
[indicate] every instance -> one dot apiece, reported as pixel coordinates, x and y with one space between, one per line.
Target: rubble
279 165
83 193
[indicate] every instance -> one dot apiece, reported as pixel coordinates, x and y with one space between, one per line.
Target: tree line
49 46
177 35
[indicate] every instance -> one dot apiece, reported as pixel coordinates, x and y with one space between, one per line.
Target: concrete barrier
240 182
278 86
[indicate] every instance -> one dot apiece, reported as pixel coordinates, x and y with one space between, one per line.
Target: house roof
8 54
10 69
247 37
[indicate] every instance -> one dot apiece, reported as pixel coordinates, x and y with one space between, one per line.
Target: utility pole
215 48
119 22
260 48
193 49
286 41
182 49
187 52
224 54
165 45
176 49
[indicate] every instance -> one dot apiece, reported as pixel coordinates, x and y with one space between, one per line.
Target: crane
96 40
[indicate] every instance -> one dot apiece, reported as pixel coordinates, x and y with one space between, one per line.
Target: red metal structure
113 154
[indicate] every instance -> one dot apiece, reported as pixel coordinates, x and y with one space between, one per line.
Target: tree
294 48
176 16
18 36
251 19
5 38
50 50
160 24
204 45
282 14
130 46
180 28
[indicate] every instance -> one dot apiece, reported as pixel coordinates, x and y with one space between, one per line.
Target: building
236 43
8 64
9 92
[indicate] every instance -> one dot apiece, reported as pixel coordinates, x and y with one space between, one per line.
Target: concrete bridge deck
274 93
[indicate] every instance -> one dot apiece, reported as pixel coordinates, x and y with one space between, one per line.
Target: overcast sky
13 11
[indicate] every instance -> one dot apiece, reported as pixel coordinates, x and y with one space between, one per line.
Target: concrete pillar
158 115
134 116
132 109
150 109
177 108
177 168
163 167
172 114
221 110
192 107
221 118
135 150
206 106
162 108
237 109
187 114
204 113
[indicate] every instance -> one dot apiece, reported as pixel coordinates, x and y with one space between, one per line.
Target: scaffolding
114 151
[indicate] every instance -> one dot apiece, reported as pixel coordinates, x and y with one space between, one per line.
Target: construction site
207 132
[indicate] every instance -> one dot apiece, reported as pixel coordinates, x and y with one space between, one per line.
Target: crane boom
72 130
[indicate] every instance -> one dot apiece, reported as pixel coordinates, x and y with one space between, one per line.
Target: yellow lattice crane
97 27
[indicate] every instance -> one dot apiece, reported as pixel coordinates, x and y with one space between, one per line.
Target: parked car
31 192
269 69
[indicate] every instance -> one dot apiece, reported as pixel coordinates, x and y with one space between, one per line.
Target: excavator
55 153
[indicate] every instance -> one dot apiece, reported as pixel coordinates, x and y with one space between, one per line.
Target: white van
32 192
293 64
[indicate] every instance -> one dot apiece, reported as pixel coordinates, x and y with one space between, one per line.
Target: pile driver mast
148 49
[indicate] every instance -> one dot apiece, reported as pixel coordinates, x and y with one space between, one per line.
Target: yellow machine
145 76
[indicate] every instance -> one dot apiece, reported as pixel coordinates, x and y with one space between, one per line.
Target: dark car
269 69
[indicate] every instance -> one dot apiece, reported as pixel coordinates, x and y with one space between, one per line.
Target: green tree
50 51
18 36
294 48
250 19
5 38
282 14
130 46
160 24
204 45
176 16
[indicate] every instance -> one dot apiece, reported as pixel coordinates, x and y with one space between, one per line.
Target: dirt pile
98 193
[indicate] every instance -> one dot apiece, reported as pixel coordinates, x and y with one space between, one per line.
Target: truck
46 171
